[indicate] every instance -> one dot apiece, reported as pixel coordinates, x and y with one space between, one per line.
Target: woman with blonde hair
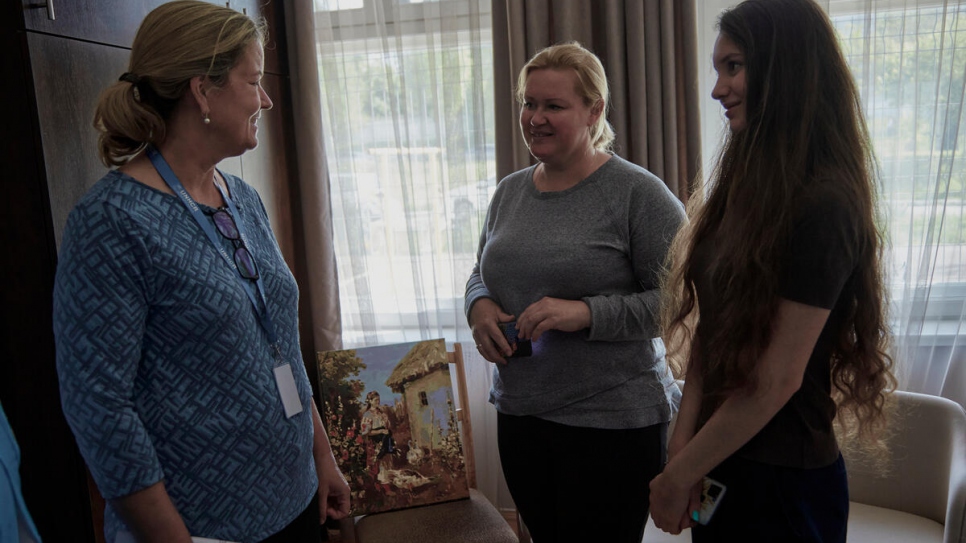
175 316
776 300
572 251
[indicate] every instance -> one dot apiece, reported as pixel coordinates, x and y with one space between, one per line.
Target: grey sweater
602 241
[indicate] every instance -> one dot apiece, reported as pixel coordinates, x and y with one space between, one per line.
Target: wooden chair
464 521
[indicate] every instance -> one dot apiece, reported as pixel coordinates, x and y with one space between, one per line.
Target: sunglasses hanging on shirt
225 224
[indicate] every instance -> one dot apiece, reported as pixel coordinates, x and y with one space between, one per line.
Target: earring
206 120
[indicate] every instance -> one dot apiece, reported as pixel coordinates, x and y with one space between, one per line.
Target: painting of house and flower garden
391 419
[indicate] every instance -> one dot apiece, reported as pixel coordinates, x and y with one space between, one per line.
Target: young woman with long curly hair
774 303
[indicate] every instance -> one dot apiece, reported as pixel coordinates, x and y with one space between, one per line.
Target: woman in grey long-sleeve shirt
573 250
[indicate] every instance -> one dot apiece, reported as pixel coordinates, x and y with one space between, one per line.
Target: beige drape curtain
319 305
649 50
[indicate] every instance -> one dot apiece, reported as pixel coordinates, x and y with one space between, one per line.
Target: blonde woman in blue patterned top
176 316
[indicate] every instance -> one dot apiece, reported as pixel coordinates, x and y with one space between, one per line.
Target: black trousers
306 527
580 484
765 503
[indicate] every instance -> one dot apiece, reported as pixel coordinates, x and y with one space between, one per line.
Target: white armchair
923 496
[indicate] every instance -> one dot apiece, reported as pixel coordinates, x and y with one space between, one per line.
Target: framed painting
390 414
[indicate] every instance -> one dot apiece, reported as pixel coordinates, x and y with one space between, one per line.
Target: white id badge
286 388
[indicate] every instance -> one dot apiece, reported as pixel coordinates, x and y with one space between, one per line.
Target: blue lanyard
265 319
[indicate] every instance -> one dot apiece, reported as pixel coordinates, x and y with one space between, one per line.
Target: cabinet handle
244 10
49 4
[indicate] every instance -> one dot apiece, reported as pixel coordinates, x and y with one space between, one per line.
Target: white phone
711 496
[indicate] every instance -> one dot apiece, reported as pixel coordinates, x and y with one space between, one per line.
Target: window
407 91
910 63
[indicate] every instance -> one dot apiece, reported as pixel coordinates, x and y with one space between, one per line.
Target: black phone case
524 347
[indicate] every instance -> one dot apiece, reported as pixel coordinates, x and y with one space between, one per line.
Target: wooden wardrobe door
68 77
112 22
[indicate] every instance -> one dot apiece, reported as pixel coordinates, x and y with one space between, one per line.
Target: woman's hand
552 314
333 490
672 503
679 439
485 318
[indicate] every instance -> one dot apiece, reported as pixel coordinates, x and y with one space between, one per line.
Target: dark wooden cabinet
115 22
52 472
53 73
110 22
68 76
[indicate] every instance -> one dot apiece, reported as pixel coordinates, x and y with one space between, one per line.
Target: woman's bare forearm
687 417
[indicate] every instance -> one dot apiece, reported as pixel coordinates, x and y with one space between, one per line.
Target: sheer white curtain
407 94
909 59
407 106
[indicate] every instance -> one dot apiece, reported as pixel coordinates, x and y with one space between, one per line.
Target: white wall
712 114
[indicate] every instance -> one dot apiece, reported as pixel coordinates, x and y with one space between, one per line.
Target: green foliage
341 408
336 372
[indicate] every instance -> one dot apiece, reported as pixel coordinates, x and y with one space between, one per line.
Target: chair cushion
868 523
474 520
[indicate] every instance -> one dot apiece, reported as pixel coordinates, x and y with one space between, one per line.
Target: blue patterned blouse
165 372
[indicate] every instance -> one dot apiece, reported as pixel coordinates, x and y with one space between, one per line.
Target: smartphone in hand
711 496
524 347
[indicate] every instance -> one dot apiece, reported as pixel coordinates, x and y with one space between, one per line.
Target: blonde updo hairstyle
177 41
591 83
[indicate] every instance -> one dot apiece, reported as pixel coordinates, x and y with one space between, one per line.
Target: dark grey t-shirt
602 241
819 262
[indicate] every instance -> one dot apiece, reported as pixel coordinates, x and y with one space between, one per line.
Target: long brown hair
804 127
